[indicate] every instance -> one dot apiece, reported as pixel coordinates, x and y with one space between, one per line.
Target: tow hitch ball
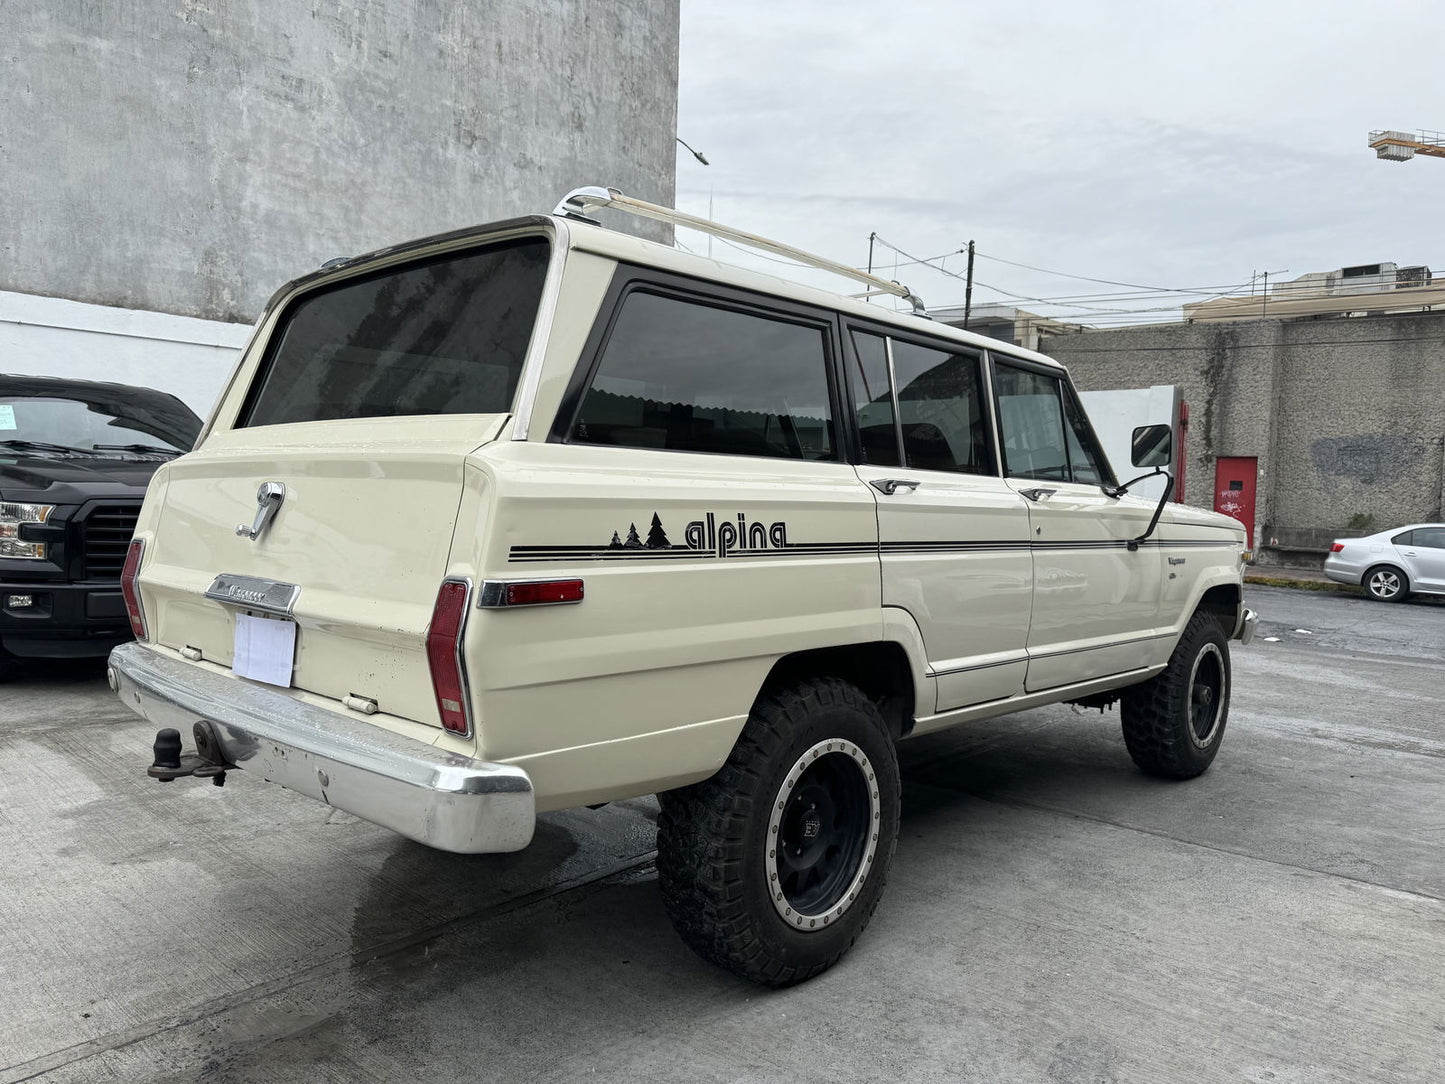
205 763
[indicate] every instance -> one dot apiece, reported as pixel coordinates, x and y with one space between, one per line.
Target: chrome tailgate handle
890 486
1038 493
268 500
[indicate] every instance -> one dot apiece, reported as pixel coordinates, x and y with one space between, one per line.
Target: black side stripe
821 549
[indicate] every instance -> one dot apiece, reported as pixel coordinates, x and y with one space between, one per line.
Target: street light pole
701 158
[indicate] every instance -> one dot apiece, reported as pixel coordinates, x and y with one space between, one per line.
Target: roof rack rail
577 201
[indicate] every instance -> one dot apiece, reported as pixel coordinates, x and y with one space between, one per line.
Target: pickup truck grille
105 534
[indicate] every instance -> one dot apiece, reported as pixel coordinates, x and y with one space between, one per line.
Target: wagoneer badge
254 593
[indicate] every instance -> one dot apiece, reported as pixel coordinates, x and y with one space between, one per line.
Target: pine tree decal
616 542
633 542
657 537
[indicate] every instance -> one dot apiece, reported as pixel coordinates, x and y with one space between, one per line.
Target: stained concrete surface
1051 914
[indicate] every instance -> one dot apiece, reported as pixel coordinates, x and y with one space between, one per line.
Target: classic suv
75 458
539 515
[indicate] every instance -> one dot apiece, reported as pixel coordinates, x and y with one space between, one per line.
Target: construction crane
1402 146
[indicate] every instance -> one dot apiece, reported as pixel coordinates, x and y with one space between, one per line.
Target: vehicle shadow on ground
33 674
596 959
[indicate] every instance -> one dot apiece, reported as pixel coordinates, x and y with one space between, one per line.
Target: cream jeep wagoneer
540 514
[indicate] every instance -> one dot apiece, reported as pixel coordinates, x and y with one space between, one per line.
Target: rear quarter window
687 375
446 336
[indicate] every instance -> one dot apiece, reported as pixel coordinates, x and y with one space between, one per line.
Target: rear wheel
1173 723
772 867
1386 583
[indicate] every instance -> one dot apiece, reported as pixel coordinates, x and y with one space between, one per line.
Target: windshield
442 337
82 425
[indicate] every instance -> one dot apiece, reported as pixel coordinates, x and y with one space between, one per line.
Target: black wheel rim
822 834
1207 689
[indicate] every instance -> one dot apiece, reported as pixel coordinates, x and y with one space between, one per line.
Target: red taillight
130 590
444 655
533 594
1337 547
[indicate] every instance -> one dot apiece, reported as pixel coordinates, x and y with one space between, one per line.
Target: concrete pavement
1051 915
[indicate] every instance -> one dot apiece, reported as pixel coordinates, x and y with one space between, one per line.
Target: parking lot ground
1052 915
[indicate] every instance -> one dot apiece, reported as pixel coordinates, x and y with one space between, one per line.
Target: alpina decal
714 535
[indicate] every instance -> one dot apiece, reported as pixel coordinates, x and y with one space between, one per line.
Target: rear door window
940 410
446 336
1432 538
691 375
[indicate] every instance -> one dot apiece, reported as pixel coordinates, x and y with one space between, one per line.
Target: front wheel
772 867
1174 722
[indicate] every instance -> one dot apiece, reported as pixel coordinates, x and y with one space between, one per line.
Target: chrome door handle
1038 494
890 486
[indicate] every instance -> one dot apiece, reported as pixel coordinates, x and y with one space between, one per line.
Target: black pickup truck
75 458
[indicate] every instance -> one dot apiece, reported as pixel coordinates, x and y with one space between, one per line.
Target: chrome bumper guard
1245 626
442 799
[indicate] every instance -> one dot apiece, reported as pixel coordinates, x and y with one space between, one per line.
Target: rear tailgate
362 397
363 532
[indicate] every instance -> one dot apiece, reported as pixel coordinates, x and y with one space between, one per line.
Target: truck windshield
446 336
125 420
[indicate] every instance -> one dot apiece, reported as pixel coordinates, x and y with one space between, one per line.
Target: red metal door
1234 479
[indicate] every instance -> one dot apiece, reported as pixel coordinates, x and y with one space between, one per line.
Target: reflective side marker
499 594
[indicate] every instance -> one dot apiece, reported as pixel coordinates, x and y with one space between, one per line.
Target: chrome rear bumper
1245 626
442 799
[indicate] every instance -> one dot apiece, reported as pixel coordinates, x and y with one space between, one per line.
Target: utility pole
968 288
871 238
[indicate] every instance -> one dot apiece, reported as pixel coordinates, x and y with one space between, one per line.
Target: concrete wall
1346 416
189 156
48 336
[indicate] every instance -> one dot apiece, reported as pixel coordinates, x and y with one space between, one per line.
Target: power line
1082 278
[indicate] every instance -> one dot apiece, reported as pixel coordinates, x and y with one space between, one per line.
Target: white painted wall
1115 415
49 336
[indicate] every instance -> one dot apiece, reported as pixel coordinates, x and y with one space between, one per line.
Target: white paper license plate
265 649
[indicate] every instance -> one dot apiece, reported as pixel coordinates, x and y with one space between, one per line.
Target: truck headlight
11 517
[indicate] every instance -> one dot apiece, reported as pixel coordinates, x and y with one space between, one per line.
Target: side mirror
1152 446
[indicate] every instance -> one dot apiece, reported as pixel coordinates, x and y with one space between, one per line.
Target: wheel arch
1223 601
882 669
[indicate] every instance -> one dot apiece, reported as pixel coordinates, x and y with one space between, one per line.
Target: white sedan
1393 564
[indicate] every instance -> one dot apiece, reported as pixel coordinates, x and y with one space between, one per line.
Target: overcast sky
1155 143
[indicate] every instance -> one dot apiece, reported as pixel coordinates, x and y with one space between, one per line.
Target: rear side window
683 375
443 337
1432 538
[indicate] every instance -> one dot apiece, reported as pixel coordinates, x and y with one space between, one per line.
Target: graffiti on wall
1368 458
